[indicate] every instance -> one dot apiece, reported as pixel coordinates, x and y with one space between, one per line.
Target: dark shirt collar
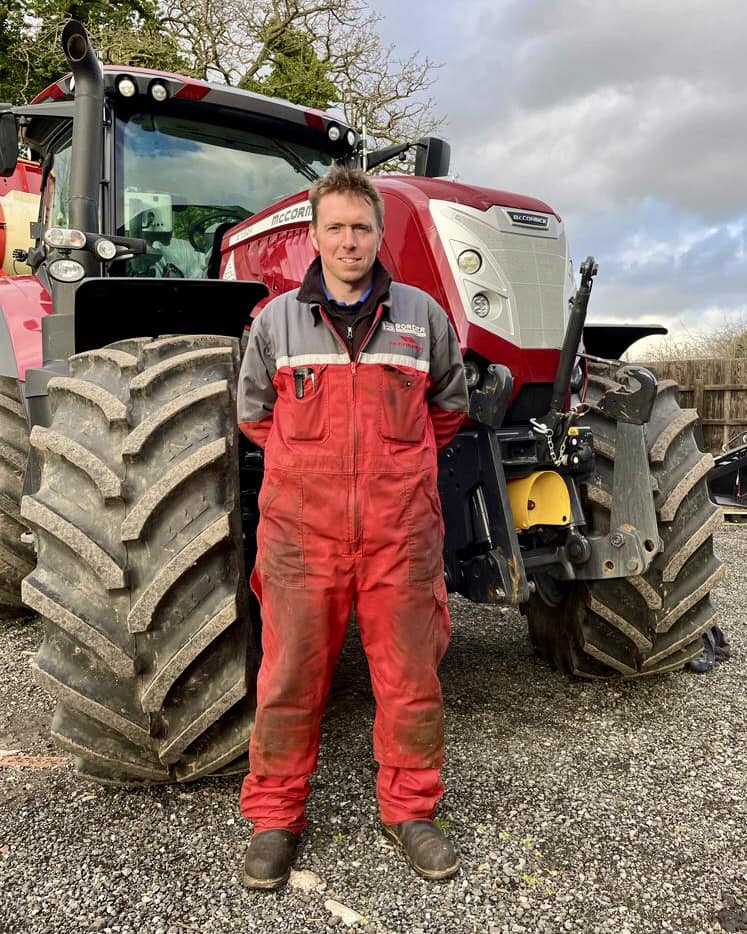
312 289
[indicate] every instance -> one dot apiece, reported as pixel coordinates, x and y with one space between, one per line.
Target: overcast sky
628 118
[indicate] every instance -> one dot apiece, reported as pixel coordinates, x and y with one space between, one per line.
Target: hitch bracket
633 540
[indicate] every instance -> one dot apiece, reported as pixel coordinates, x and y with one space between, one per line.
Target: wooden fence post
727 404
699 396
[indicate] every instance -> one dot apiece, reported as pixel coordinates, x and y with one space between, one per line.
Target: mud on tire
651 623
140 579
16 558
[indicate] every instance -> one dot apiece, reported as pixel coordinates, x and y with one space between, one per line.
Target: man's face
347 239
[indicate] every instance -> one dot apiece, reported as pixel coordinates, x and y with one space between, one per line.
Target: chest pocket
306 397
402 411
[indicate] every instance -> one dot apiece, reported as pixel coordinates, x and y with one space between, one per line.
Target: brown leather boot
268 859
427 849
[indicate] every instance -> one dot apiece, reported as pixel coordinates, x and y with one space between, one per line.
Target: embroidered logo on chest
403 327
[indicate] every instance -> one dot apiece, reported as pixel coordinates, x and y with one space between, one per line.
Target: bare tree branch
239 41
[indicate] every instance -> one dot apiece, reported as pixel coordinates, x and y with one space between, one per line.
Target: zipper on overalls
353 368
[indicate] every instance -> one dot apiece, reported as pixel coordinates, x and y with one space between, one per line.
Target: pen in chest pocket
299 376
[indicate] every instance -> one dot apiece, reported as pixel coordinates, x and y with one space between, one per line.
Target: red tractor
171 209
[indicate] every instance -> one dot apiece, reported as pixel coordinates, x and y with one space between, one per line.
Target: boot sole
432 875
266 885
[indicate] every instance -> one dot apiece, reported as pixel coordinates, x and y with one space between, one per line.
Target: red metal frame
27 177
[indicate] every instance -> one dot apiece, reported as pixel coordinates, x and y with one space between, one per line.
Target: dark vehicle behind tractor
171 210
728 479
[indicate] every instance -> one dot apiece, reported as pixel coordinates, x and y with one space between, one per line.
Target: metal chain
546 432
557 457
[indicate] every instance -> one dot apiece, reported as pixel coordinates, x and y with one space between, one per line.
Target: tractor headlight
105 249
126 86
481 305
66 270
469 262
333 132
472 373
350 137
158 91
64 238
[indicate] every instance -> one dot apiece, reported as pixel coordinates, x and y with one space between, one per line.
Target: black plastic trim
108 310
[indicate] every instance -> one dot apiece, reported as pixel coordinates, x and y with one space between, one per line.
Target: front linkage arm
633 539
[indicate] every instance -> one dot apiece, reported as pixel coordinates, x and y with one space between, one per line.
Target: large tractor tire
651 623
140 578
16 557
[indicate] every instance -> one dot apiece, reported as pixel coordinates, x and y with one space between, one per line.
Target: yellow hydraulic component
540 499
17 209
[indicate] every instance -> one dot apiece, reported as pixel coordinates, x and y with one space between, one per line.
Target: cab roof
181 87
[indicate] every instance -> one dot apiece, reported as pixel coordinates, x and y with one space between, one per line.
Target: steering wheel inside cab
198 234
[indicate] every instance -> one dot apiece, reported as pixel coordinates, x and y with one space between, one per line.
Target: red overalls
350 517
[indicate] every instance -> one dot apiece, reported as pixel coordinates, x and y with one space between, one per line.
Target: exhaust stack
85 170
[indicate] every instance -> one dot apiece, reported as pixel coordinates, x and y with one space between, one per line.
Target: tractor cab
175 174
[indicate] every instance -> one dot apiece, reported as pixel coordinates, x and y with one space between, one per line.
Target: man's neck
346 293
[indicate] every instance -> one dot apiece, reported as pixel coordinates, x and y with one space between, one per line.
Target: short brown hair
347 181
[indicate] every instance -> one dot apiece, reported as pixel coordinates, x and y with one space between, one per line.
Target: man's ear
381 239
314 240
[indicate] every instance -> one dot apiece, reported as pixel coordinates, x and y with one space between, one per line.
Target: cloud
603 103
628 119
676 273
716 254
566 47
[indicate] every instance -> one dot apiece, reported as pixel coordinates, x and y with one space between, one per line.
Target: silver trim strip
395 359
308 359
392 359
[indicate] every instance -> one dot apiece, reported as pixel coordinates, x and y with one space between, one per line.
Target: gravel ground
579 807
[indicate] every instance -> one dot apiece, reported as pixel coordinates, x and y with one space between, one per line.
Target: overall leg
302 634
405 630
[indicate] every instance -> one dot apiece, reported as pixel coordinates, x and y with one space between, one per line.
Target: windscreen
182 183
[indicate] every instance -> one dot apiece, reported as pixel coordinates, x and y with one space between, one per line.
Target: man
350 383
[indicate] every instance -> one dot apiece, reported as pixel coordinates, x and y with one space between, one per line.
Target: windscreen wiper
296 161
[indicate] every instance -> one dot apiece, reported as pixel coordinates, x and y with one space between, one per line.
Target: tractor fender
24 302
610 341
